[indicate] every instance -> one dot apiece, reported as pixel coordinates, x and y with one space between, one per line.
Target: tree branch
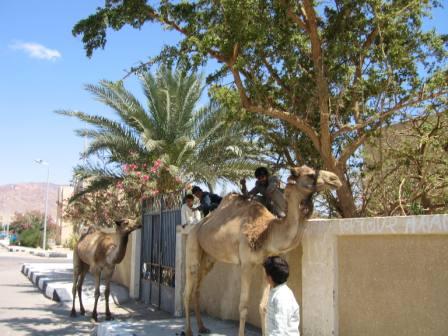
410 101
274 74
293 16
350 149
322 85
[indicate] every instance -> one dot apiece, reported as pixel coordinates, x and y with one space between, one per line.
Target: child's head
276 269
189 199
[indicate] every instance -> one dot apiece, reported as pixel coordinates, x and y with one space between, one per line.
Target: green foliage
199 143
71 242
334 72
29 227
31 237
407 168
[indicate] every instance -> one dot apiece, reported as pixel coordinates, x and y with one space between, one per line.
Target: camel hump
257 225
233 199
86 231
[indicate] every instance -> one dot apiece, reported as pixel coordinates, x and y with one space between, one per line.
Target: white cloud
36 50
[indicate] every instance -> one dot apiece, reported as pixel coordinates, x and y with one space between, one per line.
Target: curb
43 282
36 252
61 291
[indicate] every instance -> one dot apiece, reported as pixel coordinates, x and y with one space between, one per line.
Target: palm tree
198 142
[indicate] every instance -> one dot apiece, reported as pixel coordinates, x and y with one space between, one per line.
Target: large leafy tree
407 167
333 72
197 143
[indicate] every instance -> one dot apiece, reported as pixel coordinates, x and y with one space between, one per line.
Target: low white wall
320 261
315 270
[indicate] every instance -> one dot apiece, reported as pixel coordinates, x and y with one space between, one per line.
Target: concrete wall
220 289
65 227
394 285
224 281
361 276
127 273
122 273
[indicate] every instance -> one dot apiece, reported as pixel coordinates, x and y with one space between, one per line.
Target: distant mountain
25 197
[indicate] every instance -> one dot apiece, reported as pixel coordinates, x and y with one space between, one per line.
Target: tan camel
225 236
99 252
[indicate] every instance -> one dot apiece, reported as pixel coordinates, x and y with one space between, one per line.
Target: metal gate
158 259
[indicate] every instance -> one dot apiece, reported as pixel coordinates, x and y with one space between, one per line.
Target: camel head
126 226
310 181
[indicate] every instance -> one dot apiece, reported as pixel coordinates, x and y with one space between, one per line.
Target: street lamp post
42 162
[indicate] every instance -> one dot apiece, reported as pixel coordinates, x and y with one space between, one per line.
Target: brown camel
227 235
99 252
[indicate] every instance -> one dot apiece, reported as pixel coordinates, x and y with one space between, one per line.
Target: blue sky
43 68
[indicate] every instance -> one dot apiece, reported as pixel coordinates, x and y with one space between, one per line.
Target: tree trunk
345 199
346 203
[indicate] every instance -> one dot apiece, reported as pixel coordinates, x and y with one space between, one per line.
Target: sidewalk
53 253
132 318
170 327
55 281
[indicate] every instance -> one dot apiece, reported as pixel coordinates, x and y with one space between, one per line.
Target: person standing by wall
282 318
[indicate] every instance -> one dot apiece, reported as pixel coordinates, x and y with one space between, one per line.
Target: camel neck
284 236
122 244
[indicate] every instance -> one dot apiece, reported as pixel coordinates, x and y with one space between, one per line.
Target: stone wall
361 276
122 273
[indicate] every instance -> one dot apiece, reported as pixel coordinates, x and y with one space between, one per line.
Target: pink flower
145 177
138 174
144 165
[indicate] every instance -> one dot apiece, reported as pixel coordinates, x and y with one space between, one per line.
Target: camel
225 236
99 252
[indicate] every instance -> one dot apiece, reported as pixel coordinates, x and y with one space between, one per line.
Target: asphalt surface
23 308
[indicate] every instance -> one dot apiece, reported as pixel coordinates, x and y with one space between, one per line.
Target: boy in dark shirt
209 201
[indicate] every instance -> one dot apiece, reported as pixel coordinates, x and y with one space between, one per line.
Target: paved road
24 310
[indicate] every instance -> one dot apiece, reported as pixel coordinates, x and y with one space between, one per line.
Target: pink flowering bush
124 198
141 181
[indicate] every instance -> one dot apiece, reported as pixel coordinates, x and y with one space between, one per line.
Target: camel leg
246 275
205 267
107 277
75 282
192 265
190 278
82 276
97 277
263 307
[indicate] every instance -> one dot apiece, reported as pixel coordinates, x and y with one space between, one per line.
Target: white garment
189 216
282 318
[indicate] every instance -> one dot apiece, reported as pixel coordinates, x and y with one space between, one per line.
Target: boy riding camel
268 186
